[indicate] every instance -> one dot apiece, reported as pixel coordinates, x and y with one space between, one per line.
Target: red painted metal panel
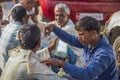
90 0
107 7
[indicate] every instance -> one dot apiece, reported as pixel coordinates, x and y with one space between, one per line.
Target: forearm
33 17
50 48
97 67
70 39
77 72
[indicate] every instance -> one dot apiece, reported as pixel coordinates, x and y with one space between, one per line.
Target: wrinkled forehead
60 10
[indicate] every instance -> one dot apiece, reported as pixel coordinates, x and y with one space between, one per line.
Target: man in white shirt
62 20
27 64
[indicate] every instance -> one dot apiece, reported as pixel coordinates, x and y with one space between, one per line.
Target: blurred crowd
70 52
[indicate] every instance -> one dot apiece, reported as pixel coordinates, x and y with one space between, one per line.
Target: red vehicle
100 9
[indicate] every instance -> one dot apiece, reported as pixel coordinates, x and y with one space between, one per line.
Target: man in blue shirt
8 38
98 53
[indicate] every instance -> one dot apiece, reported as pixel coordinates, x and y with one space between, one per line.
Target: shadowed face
61 17
86 37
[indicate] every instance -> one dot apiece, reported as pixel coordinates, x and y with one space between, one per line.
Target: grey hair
64 6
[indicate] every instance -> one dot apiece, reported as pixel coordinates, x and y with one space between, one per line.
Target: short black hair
29 36
18 13
88 23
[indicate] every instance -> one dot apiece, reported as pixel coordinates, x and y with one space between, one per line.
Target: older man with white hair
61 49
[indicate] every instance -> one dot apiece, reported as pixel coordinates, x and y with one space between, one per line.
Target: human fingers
47 29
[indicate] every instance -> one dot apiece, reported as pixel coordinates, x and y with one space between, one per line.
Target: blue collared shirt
8 41
100 61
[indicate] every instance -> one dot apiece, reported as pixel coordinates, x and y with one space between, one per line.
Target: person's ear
39 43
93 32
25 19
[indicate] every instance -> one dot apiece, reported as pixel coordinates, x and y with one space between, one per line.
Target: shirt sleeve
94 69
70 39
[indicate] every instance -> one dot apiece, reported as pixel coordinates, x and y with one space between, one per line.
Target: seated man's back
24 64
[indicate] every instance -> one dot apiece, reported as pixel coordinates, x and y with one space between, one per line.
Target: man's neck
95 41
34 50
